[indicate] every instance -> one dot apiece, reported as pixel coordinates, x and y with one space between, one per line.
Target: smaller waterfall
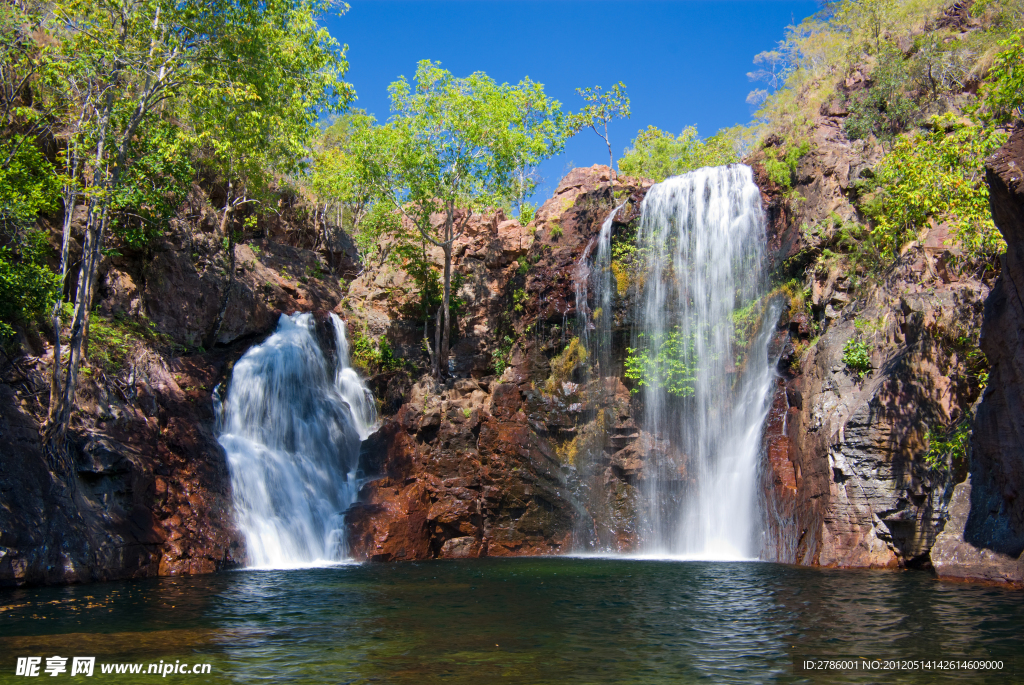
291 426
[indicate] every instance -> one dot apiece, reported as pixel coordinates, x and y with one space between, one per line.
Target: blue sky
683 62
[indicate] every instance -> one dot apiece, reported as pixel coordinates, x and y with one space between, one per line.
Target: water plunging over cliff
291 427
700 354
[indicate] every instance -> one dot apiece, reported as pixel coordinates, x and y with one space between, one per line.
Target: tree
602 109
657 155
136 58
336 184
456 143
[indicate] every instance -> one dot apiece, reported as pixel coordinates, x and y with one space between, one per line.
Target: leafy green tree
456 143
657 154
341 193
601 109
135 59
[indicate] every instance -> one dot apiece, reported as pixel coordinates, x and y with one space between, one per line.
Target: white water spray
291 428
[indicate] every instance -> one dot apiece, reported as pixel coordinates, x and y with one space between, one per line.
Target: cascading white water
703 236
291 427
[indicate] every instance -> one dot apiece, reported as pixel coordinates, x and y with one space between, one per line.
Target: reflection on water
548 620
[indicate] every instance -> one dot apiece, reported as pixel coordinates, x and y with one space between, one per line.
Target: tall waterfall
291 426
700 337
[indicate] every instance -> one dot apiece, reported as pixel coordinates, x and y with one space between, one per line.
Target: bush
500 357
780 165
373 356
937 174
28 287
555 232
1002 97
527 212
857 356
883 109
948 447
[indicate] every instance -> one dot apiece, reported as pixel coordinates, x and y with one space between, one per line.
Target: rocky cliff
151 492
985 536
522 451
484 464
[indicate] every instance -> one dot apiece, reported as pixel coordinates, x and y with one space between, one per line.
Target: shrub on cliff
936 174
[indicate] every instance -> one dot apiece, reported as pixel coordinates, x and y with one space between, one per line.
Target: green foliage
937 174
524 266
883 109
780 165
555 232
857 356
113 340
28 184
656 154
379 223
519 298
1002 97
153 185
373 355
427 277
28 287
948 448
666 362
457 142
500 357
527 213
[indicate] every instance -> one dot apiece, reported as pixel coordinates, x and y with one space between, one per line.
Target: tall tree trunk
449 229
225 230
61 403
70 195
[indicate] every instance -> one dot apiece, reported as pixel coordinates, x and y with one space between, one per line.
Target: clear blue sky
683 62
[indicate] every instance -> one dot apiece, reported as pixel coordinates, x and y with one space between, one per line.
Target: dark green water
549 620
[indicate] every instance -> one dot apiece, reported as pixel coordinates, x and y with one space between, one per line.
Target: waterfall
291 425
700 343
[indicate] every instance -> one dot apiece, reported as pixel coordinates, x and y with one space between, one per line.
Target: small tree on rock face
602 108
456 143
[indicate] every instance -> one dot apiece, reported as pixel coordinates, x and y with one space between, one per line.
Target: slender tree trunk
65 246
62 402
449 229
436 352
611 158
225 230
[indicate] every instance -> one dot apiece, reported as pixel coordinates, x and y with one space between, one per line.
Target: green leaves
656 154
1003 96
458 142
667 362
936 174
857 356
27 285
602 108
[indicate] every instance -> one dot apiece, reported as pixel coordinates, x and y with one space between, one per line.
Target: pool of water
536 620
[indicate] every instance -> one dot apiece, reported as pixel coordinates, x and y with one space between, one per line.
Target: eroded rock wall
845 477
985 537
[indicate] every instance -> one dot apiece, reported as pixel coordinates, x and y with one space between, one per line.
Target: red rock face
462 475
151 493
